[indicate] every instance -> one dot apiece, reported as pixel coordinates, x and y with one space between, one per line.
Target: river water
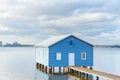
18 63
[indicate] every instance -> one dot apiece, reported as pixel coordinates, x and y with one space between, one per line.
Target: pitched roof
51 41
54 40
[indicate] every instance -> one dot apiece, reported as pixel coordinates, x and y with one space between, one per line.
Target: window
83 56
58 56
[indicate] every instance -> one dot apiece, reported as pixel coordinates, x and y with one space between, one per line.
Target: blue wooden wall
78 46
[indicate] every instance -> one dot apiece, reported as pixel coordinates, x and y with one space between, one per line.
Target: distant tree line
107 46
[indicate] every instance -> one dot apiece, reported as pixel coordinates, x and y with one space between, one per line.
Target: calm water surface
18 63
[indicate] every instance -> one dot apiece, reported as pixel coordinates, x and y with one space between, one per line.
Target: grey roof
51 41
54 40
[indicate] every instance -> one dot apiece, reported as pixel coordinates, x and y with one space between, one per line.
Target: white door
71 59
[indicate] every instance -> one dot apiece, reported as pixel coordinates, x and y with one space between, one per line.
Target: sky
32 21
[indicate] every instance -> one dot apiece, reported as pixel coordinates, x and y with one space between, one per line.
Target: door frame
71 62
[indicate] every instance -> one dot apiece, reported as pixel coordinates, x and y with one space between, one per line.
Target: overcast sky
32 21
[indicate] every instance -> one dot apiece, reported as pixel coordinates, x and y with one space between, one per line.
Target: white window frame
83 53
58 56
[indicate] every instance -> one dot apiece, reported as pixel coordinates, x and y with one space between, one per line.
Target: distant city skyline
32 21
15 44
1 43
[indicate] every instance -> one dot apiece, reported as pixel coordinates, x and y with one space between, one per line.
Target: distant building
0 43
63 51
16 44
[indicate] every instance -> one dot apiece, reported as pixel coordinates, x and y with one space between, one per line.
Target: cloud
112 6
106 37
4 28
36 20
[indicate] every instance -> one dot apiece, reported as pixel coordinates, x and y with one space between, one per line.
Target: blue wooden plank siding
78 46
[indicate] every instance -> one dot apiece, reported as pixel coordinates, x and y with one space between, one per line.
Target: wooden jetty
78 70
96 73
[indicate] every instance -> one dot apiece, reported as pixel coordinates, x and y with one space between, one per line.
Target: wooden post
64 70
40 66
77 73
45 69
97 78
68 70
91 67
80 74
84 66
37 65
50 70
74 72
59 69
87 75
71 71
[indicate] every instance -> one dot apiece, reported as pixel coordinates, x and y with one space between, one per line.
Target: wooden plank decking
96 73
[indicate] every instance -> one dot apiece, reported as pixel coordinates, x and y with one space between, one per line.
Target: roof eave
82 40
42 46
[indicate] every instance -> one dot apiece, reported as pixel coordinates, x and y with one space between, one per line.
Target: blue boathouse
62 51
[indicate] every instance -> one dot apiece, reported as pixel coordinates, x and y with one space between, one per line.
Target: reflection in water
43 76
90 77
39 75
